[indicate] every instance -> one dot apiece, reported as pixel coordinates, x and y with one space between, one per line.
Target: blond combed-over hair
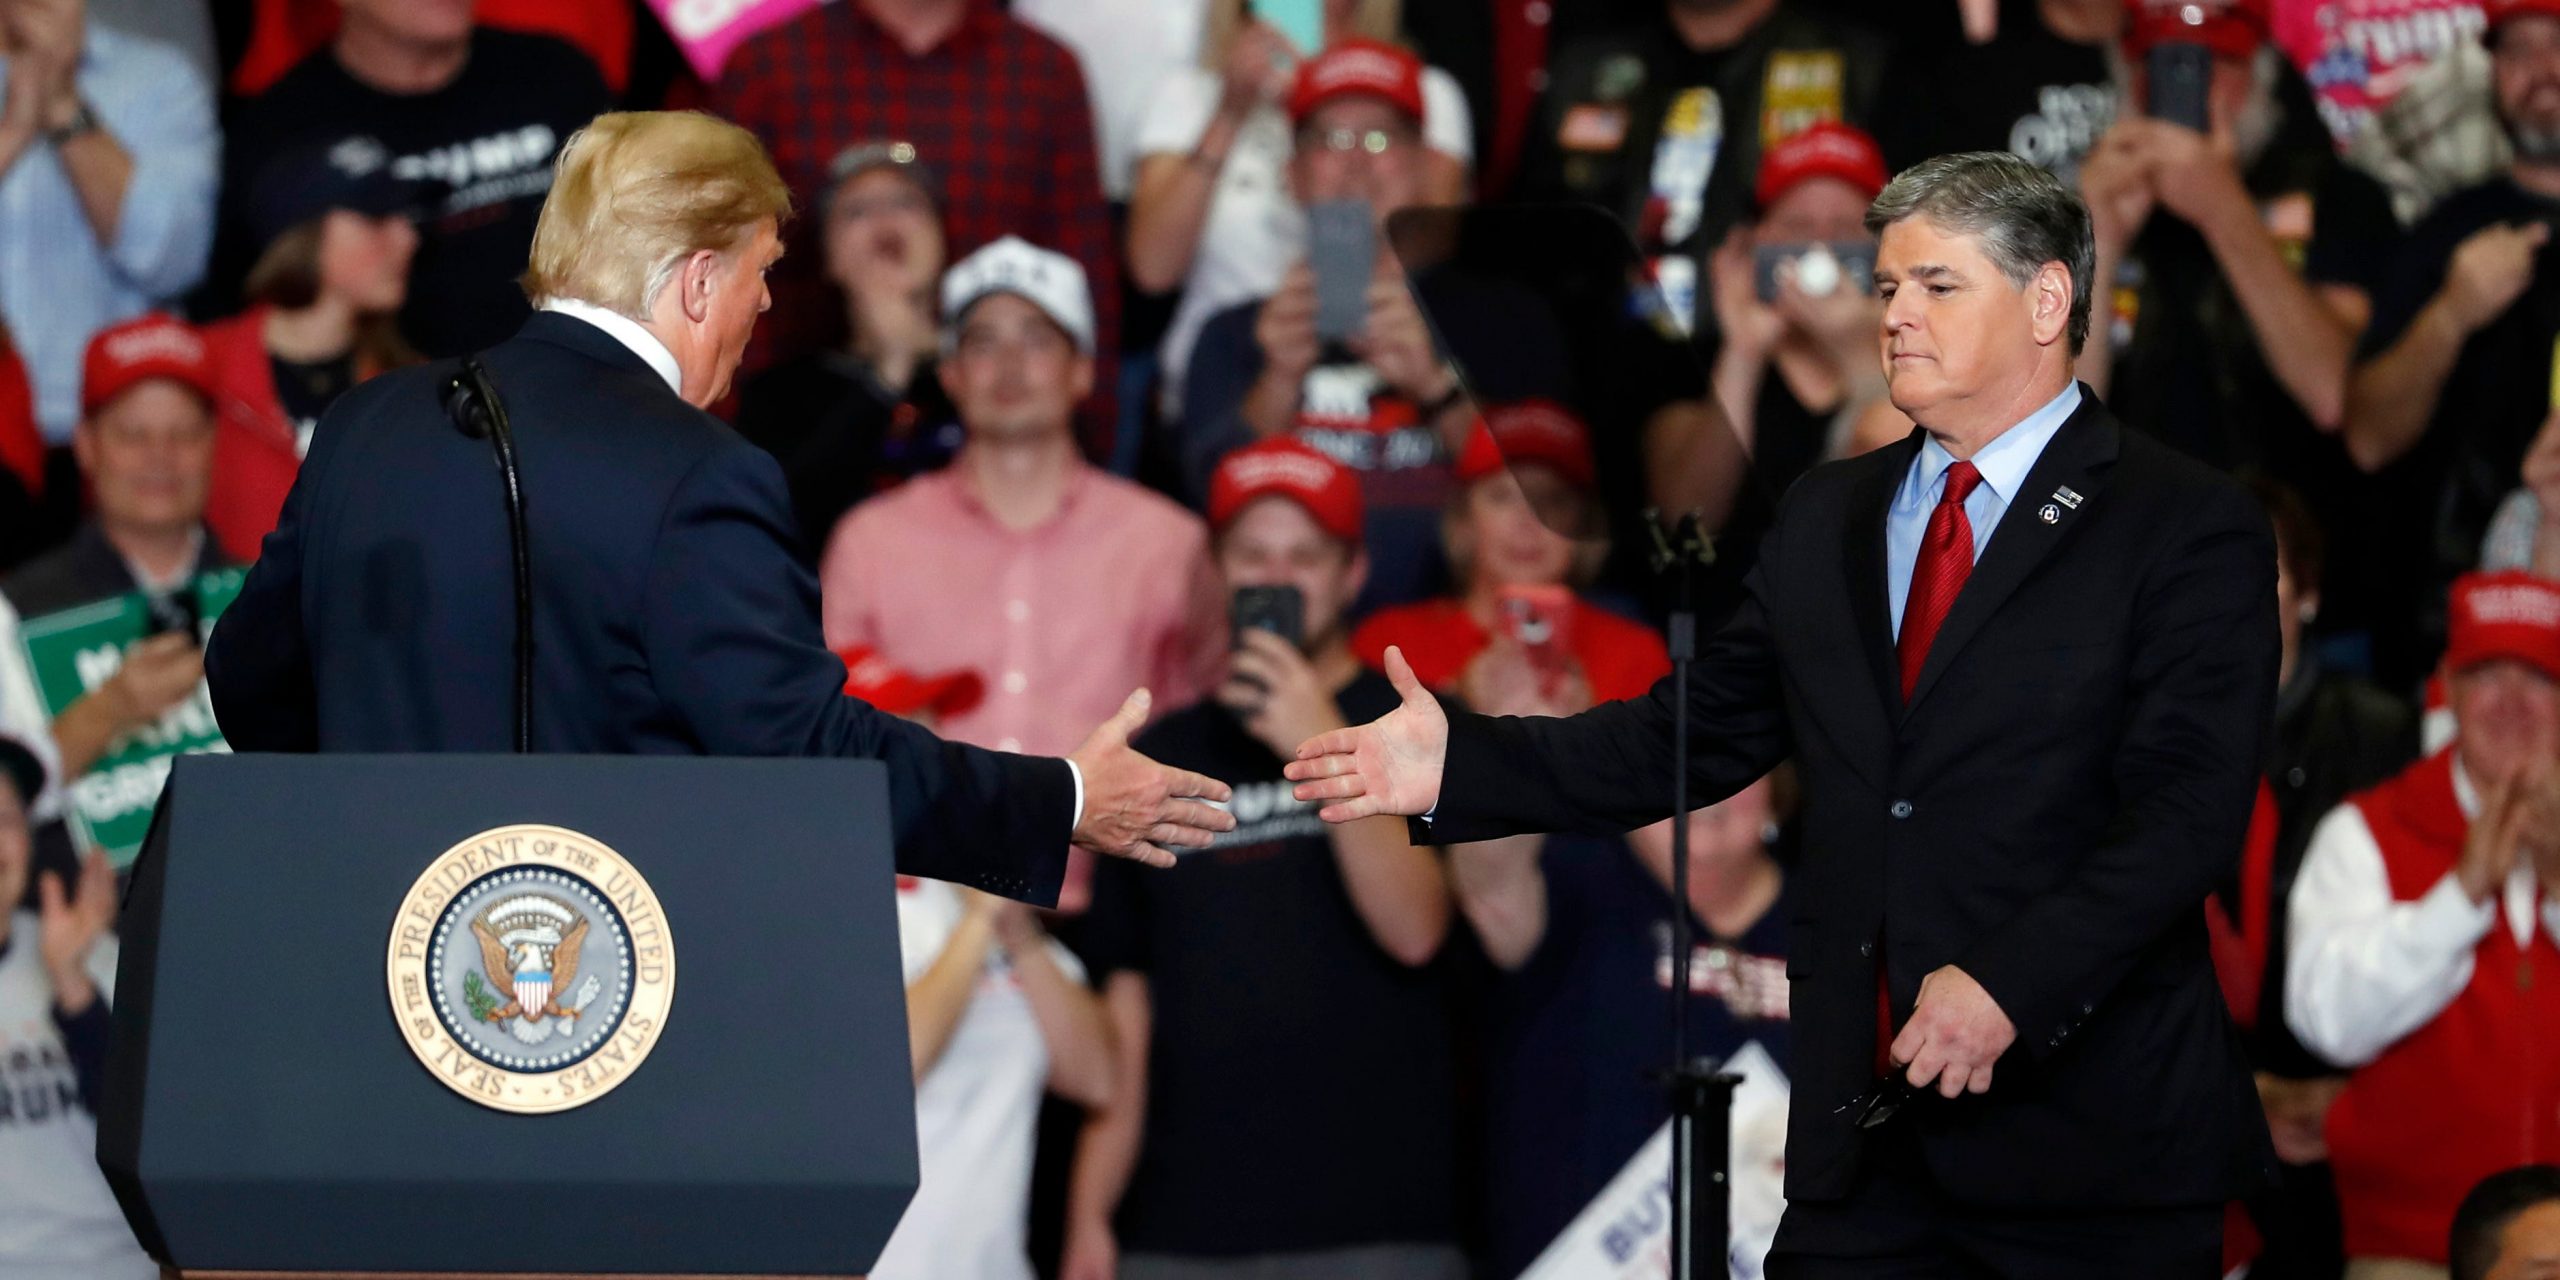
635 193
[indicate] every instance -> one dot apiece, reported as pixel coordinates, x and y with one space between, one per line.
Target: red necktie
1946 557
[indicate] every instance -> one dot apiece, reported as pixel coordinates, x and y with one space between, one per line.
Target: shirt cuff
2446 922
1078 775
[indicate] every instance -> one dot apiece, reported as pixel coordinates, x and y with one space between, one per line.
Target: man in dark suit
2025 662
672 612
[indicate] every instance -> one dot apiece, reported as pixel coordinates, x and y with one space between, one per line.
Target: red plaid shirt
997 111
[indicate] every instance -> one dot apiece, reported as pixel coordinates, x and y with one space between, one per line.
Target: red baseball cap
151 345
1284 468
2510 614
1825 150
1529 431
2498 11
1371 68
893 689
2231 28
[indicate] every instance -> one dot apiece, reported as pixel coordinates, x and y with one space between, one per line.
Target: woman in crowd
1210 212
324 301
1526 483
853 419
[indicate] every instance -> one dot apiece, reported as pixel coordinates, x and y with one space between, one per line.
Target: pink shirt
1113 592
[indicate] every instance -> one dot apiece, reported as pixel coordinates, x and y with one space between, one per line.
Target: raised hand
1138 809
69 924
1390 765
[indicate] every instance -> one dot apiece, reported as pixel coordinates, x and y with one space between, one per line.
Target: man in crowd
57 971
2416 937
1284 1109
2236 265
1065 586
145 446
1795 370
474 114
1384 400
2455 370
1663 121
1580 927
860 416
997 107
2508 1228
108 160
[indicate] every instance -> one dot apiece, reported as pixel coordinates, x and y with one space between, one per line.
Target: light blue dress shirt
2004 464
146 72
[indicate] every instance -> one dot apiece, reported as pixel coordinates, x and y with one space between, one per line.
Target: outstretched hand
1135 808
1390 765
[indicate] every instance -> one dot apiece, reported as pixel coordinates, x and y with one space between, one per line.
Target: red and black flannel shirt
997 111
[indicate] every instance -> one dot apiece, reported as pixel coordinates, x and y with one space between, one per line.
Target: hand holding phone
2180 74
1342 251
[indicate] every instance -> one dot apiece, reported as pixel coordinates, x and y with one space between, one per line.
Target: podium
512 1015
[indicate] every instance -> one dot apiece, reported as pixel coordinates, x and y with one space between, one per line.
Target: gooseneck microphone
471 399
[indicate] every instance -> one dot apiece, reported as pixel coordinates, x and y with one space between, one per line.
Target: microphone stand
1701 1091
471 398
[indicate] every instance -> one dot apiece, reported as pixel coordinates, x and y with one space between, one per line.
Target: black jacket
2073 774
672 612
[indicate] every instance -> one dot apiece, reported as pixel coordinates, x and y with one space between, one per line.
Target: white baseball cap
1046 278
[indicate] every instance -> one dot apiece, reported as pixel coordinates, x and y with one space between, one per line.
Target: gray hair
2022 216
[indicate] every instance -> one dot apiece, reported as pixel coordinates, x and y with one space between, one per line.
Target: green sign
75 651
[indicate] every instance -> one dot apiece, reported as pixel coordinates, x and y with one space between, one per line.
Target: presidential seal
530 969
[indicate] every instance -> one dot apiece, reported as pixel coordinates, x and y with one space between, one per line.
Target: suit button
1901 809
2087 1009
1867 948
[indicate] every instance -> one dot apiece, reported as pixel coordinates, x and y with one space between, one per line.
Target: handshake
1136 808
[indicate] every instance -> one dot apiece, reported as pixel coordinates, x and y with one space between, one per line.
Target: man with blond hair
671 611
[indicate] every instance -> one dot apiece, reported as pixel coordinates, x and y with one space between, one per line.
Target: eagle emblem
529 947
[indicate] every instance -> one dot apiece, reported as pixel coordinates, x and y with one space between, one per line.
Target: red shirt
1621 659
997 112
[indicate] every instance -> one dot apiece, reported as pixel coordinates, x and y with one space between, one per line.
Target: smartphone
1302 21
1280 610
176 611
1342 251
1540 620
2179 72
1856 260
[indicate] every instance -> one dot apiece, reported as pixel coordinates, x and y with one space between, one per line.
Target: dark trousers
1897 1225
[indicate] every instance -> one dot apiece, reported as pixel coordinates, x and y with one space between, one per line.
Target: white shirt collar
2005 461
627 331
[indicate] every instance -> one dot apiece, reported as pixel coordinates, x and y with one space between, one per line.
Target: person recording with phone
1796 317
1288 965
1341 356
2237 255
145 443
1210 210
1523 532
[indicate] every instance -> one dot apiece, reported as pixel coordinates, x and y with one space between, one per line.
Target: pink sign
706 30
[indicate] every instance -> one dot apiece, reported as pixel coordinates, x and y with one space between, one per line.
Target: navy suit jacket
673 613
2070 777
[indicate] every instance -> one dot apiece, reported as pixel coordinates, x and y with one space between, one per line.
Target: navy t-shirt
1299 1079
1582 1030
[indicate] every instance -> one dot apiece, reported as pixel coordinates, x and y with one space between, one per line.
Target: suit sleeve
257 665
1607 771
730 630
2201 693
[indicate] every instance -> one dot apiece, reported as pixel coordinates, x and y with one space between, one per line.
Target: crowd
1116 344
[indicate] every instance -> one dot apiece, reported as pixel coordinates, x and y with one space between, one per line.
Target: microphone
471 400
